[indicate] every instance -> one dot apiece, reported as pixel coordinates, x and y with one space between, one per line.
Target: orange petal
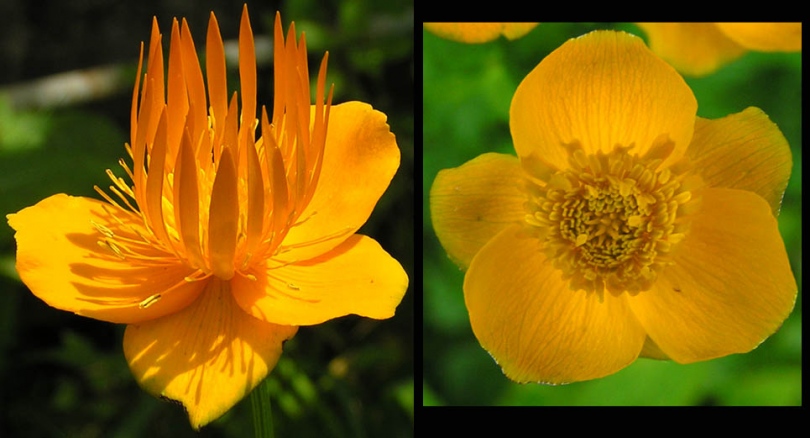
730 287
208 356
66 263
695 49
360 158
534 326
358 277
765 37
472 203
479 32
743 151
600 90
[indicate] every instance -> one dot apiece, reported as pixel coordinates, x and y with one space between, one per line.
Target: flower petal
63 258
695 49
360 158
472 203
730 287
208 356
743 151
601 90
479 32
358 277
765 37
534 326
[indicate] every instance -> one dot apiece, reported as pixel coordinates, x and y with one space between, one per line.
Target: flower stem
262 413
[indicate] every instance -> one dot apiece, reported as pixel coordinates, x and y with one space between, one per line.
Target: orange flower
626 226
224 243
698 49
479 32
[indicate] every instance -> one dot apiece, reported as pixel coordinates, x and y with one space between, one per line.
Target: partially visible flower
224 243
698 49
626 226
479 32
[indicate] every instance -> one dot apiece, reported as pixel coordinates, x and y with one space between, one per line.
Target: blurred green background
467 92
62 375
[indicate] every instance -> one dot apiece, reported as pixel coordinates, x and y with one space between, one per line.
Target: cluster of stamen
610 221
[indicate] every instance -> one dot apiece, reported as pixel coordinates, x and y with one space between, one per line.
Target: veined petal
765 37
88 263
479 32
743 151
695 49
601 90
472 203
534 326
360 158
731 285
357 277
208 357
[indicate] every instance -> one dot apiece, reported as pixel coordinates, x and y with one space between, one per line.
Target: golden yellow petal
357 277
534 326
743 151
479 32
731 285
75 257
208 356
472 203
765 37
694 49
360 158
600 90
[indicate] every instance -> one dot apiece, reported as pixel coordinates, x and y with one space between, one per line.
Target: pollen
610 221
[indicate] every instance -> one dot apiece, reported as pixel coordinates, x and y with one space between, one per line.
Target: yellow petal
601 90
358 277
743 151
695 49
72 265
472 203
479 32
538 329
765 37
730 287
208 356
360 158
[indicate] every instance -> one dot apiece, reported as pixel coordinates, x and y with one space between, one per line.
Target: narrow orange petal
217 82
247 73
472 203
186 203
94 265
357 277
534 326
360 158
223 217
208 356
198 107
730 287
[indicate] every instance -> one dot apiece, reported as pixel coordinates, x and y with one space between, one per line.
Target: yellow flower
479 32
627 226
701 48
224 244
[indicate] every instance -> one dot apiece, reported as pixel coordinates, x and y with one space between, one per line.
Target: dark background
62 375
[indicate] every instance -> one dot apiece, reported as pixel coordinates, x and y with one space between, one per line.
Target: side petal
472 203
208 356
535 326
358 277
730 286
694 49
765 37
75 256
600 90
479 32
360 158
743 151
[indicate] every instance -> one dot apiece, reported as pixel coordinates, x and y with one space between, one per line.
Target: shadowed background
62 375
467 93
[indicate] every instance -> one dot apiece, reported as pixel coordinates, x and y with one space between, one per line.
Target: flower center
609 221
